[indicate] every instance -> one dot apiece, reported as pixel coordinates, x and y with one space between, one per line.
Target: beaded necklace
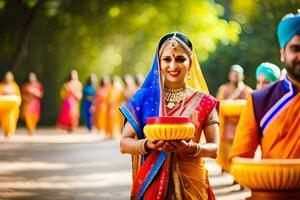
174 96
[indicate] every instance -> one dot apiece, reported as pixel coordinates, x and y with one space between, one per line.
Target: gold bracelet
140 147
198 150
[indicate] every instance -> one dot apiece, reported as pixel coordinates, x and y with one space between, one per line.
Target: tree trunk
24 36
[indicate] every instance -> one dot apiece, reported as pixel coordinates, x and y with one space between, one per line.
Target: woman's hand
154 144
182 146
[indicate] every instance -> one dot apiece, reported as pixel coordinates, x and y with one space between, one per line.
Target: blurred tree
118 37
105 37
35 6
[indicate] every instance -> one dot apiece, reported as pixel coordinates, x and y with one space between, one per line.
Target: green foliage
258 40
107 37
30 3
118 37
2 4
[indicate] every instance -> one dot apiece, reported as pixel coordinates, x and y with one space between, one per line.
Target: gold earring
188 77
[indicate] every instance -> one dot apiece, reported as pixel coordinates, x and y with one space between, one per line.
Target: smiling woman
175 63
171 169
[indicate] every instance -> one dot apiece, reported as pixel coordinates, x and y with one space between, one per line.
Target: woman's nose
172 64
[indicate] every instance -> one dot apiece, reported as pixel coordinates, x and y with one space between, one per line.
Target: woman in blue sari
89 91
171 169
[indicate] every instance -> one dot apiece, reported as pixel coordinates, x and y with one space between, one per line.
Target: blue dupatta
145 102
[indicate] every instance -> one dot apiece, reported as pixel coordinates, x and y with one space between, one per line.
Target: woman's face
174 64
106 80
94 79
32 78
9 77
74 75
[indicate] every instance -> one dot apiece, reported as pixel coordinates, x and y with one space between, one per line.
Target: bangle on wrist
197 150
141 146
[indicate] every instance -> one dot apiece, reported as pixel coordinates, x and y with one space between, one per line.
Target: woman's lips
174 74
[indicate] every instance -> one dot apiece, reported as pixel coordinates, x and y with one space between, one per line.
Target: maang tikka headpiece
174 41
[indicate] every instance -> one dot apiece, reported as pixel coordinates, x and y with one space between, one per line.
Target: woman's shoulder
203 95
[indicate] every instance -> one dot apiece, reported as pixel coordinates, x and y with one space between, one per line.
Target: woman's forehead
169 51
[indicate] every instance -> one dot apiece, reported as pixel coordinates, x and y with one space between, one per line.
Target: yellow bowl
267 174
232 107
165 128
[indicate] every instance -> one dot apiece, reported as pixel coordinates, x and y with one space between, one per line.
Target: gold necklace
174 96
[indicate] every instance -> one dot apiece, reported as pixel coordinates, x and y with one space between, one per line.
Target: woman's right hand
154 144
160 145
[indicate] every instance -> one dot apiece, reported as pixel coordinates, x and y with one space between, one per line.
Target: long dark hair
89 80
181 36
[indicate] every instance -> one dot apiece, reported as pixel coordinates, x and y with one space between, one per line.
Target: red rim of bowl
168 120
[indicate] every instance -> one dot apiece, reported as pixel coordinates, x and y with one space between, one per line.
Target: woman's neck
174 86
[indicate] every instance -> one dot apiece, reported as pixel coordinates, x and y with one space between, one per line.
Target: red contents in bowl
168 120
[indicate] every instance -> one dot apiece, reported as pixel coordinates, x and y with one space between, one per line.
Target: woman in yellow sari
9 86
101 105
9 116
117 98
32 92
174 87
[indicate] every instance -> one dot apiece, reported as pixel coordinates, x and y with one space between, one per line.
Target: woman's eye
167 59
180 59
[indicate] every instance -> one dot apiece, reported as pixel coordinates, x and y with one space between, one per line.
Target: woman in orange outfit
10 100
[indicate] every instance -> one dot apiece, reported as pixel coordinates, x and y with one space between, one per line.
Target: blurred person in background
235 88
89 92
71 94
101 104
32 93
139 80
232 91
9 86
115 116
266 73
130 86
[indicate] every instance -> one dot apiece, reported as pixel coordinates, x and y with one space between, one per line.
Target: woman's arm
128 143
211 133
208 149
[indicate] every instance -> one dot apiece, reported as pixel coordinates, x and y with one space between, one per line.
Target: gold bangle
140 147
198 150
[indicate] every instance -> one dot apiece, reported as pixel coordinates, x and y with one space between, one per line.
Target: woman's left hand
181 145
175 145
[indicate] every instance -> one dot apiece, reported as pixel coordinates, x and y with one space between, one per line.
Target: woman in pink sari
71 93
174 87
32 92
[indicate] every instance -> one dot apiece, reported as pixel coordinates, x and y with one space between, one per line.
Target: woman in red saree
171 169
32 92
71 93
